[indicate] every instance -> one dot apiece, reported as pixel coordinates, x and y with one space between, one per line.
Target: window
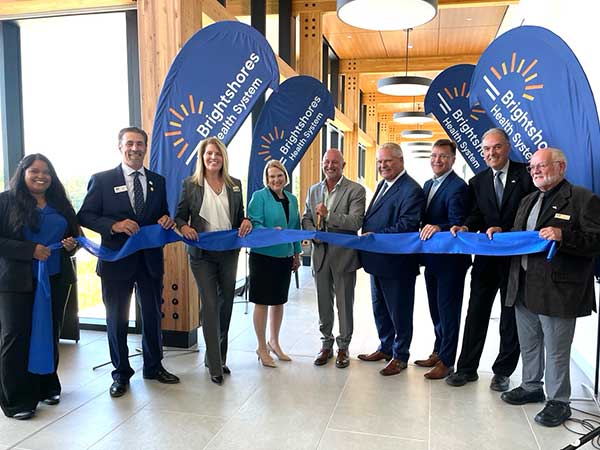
75 99
362 156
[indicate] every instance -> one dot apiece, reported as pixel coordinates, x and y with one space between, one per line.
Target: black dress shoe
117 389
23 415
553 414
499 383
226 370
520 396
162 376
52 400
461 378
217 379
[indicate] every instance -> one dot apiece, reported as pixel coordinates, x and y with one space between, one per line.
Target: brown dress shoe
439 371
375 356
429 362
342 359
394 367
325 354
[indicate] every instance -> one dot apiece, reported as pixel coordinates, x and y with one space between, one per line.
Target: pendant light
386 15
404 85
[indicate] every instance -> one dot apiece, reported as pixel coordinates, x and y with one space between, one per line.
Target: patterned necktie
138 194
531 221
498 187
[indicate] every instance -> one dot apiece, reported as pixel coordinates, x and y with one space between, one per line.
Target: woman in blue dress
34 213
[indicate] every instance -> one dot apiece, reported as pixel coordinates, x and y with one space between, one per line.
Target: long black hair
25 212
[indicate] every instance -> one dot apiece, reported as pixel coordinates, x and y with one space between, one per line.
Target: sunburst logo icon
267 142
452 93
525 69
181 117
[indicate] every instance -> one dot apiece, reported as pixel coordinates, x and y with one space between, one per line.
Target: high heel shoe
280 355
267 362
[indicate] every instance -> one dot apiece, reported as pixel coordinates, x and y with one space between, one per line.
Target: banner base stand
180 339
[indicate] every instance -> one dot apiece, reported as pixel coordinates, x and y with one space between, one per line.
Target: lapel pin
513 181
554 207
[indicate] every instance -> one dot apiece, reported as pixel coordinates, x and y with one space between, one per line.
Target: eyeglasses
541 166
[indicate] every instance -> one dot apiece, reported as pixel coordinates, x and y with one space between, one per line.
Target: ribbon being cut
41 358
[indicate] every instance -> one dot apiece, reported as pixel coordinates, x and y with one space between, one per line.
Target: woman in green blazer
271 267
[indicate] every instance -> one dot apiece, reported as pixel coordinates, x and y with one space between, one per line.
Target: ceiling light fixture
404 85
386 15
416 134
412 117
421 145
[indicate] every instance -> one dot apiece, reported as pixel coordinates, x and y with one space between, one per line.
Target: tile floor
295 406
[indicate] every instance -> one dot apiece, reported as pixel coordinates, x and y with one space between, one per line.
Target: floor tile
343 440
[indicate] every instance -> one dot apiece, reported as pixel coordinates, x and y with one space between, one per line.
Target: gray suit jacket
190 202
345 216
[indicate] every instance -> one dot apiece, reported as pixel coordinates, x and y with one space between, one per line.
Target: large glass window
75 99
3 182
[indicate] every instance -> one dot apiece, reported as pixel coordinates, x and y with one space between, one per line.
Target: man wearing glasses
447 205
548 296
495 196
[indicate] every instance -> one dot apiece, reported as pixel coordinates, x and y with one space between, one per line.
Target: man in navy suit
495 195
447 204
396 208
118 202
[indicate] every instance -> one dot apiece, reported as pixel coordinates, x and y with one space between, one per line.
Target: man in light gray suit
337 205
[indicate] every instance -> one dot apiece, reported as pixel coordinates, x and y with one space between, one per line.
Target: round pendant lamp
386 15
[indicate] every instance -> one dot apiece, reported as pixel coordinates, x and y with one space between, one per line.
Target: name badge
562 216
120 189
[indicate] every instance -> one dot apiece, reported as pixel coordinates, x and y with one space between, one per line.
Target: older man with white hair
550 295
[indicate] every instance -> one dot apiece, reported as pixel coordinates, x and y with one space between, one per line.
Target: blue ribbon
41 358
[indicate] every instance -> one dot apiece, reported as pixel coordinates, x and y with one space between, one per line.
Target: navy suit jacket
449 206
103 206
485 211
399 211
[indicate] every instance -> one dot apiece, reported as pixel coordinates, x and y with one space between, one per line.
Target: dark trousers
489 274
215 275
21 390
445 290
393 304
117 296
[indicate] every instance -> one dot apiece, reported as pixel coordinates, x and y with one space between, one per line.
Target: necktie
381 193
138 194
498 187
531 221
433 190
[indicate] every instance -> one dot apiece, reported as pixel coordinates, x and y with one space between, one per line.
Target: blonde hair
278 165
200 149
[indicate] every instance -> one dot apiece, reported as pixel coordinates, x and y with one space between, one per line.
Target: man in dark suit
338 205
447 205
396 208
549 295
495 196
118 202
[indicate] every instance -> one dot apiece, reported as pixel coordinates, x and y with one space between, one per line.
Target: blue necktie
138 194
384 188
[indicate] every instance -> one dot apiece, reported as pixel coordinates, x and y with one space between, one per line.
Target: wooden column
310 63
352 111
164 26
370 179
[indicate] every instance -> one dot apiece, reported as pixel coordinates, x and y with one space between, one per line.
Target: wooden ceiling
458 34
